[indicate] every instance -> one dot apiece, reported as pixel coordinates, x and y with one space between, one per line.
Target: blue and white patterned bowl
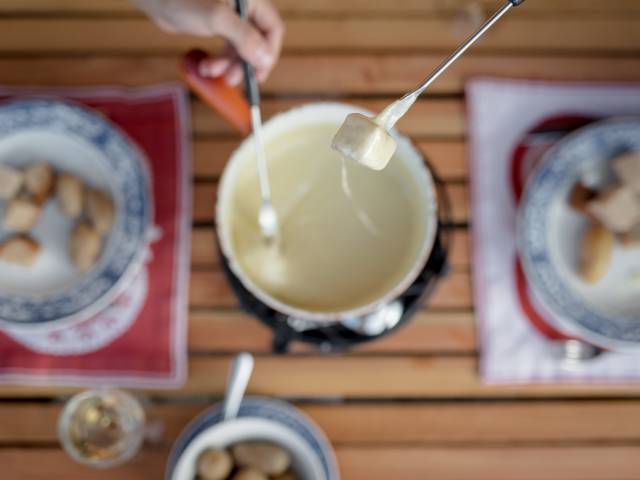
75 139
259 418
550 234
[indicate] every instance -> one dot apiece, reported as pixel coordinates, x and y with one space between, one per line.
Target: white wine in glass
102 428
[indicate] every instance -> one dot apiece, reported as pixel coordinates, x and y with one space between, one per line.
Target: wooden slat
333 74
428 331
447 157
211 156
37 464
387 7
483 423
36 423
211 289
358 376
561 33
376 463
204 248
66 6
204 201
415 463
204 195
432 118
558 33
448 6
383 377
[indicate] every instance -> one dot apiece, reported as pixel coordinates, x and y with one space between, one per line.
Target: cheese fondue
343 244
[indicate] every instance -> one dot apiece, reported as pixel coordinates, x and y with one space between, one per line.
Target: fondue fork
267 216
389 116
367 140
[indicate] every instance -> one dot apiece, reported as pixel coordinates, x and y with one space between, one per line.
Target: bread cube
627 167
39 181
20 250
85 246
11 181
631 240
22 214
70 193
597 249
362 140
616 208
580 197
100 211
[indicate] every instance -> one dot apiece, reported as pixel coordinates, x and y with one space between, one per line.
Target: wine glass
102 428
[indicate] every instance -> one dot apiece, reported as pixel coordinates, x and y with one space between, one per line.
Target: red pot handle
228 101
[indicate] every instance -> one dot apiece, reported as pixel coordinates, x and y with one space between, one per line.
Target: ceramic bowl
550 233
259 419
75 139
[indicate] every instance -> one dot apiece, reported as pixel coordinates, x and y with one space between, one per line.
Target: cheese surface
330 259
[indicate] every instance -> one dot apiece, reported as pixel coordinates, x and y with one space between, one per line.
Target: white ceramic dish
606 314
73 139
258 419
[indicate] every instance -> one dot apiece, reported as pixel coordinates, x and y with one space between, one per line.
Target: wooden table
410 406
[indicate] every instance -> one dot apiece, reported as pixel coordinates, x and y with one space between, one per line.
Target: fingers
214 67
164 25
266 17
259 42
245 37
234 74
229 66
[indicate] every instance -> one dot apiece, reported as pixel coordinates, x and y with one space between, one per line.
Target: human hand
258 41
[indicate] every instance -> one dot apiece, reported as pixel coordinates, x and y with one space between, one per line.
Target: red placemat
150 350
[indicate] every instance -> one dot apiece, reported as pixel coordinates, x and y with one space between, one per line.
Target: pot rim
431 226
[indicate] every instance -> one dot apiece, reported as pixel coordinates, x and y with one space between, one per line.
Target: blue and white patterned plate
74 139
263 408
550 234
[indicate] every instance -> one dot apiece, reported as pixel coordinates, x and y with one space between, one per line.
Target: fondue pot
361 321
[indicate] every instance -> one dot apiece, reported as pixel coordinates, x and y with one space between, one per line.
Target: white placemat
500 112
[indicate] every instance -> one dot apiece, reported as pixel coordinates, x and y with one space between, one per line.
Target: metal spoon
267 216
237 382
576 352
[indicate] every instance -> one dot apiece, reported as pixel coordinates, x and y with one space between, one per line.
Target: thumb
243 35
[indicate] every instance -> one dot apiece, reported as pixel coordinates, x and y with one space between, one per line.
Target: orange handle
226 100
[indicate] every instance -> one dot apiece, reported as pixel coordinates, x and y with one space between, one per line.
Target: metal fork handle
464 47
389 116
251 90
